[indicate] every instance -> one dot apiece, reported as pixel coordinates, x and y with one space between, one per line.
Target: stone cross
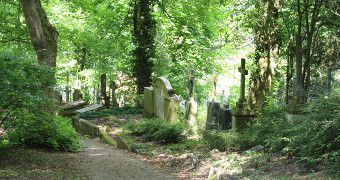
213 93
223 97
243 72
191 83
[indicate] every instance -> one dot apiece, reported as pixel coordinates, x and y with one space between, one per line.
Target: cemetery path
101 161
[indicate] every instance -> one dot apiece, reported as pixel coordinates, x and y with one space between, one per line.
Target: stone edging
106 134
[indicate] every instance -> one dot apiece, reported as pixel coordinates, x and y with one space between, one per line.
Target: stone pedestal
225 117
191 116
212 116
170 109
241 115
77 95
104 100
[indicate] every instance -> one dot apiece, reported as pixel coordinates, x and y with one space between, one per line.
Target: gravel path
101 162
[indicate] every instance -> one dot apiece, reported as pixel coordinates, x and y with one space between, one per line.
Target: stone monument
103 98
191 107
242 114
213 107
159 100
77 95
113 88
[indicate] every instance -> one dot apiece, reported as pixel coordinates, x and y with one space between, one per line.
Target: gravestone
242 114
224 117
213 108
113 88
149 109
161 89
191 107
160 101
103 98
77 95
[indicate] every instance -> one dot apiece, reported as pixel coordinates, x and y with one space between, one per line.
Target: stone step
90 108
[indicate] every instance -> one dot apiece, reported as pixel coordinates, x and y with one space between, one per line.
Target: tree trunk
43 35
144 28
266 55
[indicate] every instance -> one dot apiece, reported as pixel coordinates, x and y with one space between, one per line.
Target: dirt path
100 161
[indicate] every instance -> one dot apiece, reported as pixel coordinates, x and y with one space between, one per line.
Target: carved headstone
162 89
159 100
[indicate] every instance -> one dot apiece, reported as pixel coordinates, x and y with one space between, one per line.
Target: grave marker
241 114
77 95
113 87
162 88
103 98
191 107
213 107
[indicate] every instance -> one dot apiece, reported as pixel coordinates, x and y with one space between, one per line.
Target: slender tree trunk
43 35
266 55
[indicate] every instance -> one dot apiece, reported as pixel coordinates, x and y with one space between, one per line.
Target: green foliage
23 105
312 136
42 129
221 140
108 112
156 130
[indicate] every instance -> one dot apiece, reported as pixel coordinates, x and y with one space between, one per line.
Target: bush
156 129
22 105
45 130
313 136
169 133
221 140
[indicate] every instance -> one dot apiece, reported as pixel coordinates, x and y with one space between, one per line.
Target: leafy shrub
43 129
169 133
22 105
221 140
313 136
107 112
156 129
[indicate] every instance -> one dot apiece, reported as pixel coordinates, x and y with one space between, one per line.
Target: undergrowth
156 129
107 112
313 136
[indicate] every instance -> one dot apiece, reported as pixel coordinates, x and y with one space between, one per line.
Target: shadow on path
99 161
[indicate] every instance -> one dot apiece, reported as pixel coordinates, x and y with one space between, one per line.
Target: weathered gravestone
103 98
213 108
77 95
191 107
159 100
113 88
241 114
224 117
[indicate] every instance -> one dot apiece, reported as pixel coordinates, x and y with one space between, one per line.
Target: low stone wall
107 135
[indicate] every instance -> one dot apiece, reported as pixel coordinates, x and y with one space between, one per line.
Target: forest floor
186 160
